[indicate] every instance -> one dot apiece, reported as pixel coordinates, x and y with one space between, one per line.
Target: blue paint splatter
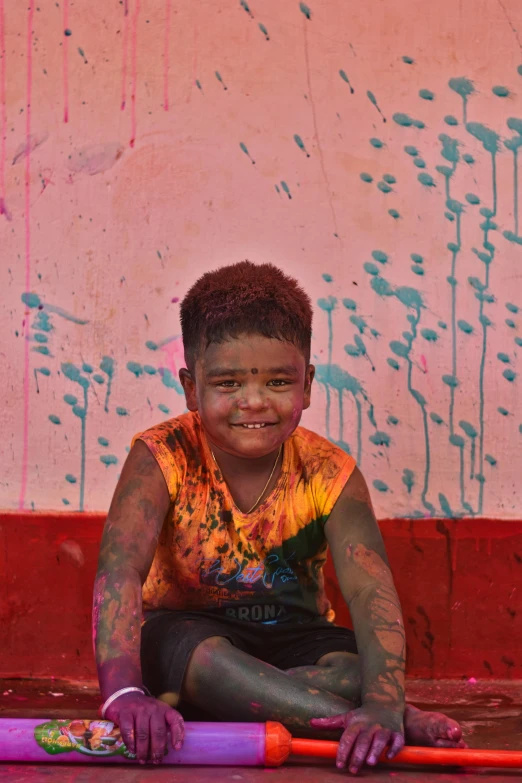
426 95
300 143
286 189
463 87
244 149
135 368
54 419
305 10
108 459
380 486
426 179
430 335
74 374
366 177
408 479
373 101
380 438
471 198
265 33
345 78
500 91
464 326
107 366
220 80
377 143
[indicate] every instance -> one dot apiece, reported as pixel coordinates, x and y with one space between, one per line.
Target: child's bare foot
431 728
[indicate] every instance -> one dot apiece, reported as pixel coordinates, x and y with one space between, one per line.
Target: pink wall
159 140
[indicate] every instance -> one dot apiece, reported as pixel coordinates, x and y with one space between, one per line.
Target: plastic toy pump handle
440 757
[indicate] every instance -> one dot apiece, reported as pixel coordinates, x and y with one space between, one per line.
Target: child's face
250 380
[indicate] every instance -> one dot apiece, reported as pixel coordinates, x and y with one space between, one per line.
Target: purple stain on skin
95 159
174 299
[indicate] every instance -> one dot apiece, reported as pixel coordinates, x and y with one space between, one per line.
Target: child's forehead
251 350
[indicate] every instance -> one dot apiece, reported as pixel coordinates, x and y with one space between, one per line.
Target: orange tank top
265 566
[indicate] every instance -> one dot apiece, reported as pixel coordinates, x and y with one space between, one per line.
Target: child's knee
339 660
207 649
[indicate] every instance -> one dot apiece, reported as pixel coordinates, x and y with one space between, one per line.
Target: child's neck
233 466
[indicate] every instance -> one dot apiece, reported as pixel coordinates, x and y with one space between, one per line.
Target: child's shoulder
175 433
312 446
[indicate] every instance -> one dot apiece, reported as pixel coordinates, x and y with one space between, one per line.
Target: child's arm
367 586
135 519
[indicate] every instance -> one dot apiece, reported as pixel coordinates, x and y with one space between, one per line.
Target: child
218 531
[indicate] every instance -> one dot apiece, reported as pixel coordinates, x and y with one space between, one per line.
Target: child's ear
189 387
309 377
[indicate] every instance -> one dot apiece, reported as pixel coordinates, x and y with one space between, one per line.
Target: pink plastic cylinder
47 741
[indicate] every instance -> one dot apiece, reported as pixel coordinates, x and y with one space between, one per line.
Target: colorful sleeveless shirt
265 566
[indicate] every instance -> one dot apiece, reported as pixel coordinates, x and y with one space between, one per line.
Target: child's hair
245 298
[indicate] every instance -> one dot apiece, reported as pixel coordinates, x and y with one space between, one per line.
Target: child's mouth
255 426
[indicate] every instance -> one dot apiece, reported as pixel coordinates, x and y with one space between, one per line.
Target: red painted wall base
458 580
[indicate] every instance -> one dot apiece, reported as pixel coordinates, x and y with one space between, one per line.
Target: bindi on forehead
254 370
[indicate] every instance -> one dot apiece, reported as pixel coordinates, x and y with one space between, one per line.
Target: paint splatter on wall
147 143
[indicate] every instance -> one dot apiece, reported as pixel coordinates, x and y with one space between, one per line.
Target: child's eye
227 384
279 382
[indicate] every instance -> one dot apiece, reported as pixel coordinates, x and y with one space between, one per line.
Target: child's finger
177 728
396 746
335 722
353 749
381 738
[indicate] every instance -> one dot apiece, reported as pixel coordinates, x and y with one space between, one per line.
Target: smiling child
217 536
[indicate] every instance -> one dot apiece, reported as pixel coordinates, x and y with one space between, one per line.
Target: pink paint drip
166 58
134 71
3 114
65 61
125 46
25 455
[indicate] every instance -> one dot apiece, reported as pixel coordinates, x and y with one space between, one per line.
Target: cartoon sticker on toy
92 737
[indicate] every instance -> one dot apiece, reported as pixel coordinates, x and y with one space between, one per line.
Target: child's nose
252 399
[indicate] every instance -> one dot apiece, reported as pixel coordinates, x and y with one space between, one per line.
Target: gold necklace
266 485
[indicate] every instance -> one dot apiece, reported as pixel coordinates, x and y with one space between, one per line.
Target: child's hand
145 724
367 731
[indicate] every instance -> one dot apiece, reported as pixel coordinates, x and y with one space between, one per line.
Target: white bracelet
117 695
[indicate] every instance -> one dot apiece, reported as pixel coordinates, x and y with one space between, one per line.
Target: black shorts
168 640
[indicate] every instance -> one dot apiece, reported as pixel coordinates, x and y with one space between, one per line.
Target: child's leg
233 685
336 672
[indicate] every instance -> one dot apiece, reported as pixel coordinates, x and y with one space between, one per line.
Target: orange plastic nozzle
440 757
278 744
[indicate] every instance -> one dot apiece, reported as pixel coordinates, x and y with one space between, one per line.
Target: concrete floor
490 713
